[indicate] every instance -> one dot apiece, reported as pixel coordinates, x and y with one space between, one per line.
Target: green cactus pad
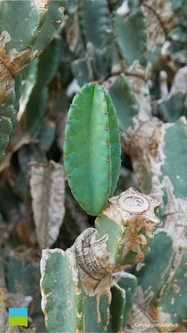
131 37
171 110
153 276
92 148
125 101
94 19
117 309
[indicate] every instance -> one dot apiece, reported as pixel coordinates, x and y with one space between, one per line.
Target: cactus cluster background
108 263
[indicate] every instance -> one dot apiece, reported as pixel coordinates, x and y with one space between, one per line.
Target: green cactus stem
92 148
76 283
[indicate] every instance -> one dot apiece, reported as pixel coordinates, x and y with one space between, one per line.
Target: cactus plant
92 171
19 47
123 279
85 273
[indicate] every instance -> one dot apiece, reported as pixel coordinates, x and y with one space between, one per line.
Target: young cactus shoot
92 148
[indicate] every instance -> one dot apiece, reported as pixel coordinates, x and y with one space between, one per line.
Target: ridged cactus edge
92 148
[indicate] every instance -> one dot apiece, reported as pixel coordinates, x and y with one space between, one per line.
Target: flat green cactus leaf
60 292
65 62
172 299
16 49
19 36
125 102
66 305
47 134
53 20
36 97
23 272
29 81
172 109
35 109
26 40
49 59
101 64
117 309
131 37
94 20
158 263
96 28
129 283
82 70
96 312
87 152
175 150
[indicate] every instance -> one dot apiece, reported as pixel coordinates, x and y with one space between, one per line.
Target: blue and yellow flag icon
18 316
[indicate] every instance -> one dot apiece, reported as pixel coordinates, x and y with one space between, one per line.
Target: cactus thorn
104 99
110 177
68 176
113 104
65 158
107 129
65 139
109 191
71 105
109 161
106 112
78 92
81 205
108 145
67 121
72 192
